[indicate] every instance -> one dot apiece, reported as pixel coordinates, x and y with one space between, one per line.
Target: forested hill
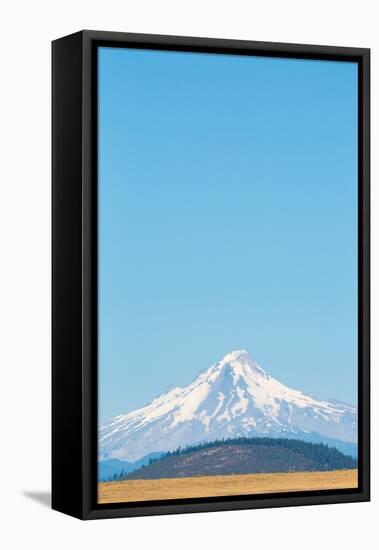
244 456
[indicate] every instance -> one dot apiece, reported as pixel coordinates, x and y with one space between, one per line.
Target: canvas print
228 254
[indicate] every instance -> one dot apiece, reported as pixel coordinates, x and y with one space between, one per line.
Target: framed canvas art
210 274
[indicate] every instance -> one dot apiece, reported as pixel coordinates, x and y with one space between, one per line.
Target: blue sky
227 220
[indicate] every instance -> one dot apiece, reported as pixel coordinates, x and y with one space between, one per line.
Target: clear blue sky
228 220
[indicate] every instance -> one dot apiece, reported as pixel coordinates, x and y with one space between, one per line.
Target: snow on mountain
233 398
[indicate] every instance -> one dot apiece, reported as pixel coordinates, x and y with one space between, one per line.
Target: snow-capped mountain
233 398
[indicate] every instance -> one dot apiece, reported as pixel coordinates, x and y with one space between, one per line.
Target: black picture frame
74 273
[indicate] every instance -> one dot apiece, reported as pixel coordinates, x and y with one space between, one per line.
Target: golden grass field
211 486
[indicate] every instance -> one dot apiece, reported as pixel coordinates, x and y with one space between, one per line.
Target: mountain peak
240 362
235 356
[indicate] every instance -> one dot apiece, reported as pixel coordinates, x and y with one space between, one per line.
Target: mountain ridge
234 397
244 456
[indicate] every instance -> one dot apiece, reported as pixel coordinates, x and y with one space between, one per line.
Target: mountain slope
233 398
245 456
